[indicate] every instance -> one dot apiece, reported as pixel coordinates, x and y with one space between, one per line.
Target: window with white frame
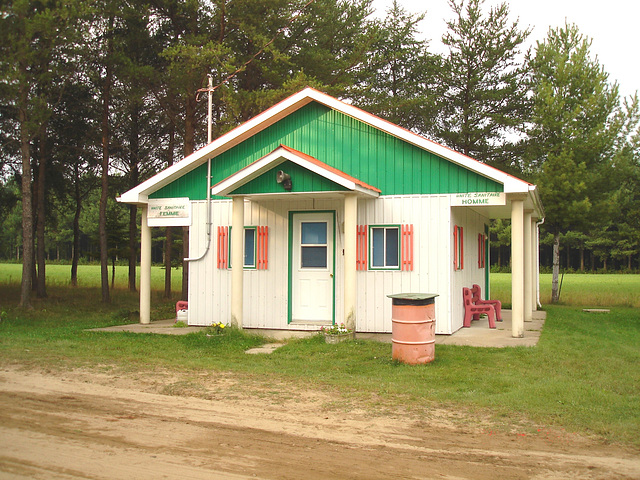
249 247
384 246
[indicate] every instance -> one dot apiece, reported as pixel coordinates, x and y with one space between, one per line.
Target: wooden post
145 268
350 239
517 266
528 266
237 261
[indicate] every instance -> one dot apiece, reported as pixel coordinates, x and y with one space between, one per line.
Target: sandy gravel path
83 424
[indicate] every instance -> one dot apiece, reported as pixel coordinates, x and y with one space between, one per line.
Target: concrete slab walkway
478 335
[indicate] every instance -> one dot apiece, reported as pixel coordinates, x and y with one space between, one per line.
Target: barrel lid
413 298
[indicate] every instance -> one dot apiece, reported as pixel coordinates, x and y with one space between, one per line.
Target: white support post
350 240
517 267
528 267
535 271
145 269
237 261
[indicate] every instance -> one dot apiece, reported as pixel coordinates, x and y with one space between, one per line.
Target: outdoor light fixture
284 179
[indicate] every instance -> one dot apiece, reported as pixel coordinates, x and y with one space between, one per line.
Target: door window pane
313 257
314 233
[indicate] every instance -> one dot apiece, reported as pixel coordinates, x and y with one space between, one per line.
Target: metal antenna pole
210 93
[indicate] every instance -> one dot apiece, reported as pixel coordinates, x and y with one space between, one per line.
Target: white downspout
209 223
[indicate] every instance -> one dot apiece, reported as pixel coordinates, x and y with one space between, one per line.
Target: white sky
613 25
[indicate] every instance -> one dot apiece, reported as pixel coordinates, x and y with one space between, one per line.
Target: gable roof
282 109
282 154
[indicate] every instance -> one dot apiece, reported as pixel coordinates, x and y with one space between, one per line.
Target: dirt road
81 424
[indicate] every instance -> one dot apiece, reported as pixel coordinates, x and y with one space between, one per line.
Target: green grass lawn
582 376
89 276
583 290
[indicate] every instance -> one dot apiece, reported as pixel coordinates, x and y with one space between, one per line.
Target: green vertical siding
302 180
376 158
192 185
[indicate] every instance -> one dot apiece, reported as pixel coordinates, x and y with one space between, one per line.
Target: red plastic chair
470 309
477 299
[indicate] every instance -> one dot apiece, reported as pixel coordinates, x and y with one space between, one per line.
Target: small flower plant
336 330
217 328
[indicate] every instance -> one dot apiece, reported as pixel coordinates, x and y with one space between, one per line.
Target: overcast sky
613 25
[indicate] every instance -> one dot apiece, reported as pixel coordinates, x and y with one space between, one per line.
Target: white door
311 272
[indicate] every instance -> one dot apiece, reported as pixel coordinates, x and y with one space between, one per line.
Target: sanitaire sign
169 212
478 198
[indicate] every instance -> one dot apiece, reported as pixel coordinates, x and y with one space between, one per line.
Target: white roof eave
140 193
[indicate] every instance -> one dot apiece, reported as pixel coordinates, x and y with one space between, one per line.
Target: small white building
314 211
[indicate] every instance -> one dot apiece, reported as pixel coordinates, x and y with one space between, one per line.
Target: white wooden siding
472 224
430 217
266 291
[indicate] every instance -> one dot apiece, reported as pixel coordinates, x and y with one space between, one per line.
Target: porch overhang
502 209
343 182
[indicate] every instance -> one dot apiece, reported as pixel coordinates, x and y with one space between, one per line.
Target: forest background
96 97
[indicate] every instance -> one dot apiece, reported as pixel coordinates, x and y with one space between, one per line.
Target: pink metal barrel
413 322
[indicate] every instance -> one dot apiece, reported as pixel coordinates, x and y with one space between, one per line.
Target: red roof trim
329 168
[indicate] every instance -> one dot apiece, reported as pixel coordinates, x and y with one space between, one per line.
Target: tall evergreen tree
572 134
484 104
35 38
399 80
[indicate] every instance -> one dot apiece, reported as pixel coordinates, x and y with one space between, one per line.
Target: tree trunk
134 177
41 290
168 244
582 259
27 211
555 295
34 216
113 271
185 265
104 254
76 228
133 243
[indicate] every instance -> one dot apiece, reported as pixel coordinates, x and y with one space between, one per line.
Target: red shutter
223 247
361 247
263 248
407 248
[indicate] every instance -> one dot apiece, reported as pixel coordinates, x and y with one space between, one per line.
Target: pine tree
484 104
572 134
35 42
399 81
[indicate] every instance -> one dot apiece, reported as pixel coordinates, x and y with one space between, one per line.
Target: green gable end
302 181
362 151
